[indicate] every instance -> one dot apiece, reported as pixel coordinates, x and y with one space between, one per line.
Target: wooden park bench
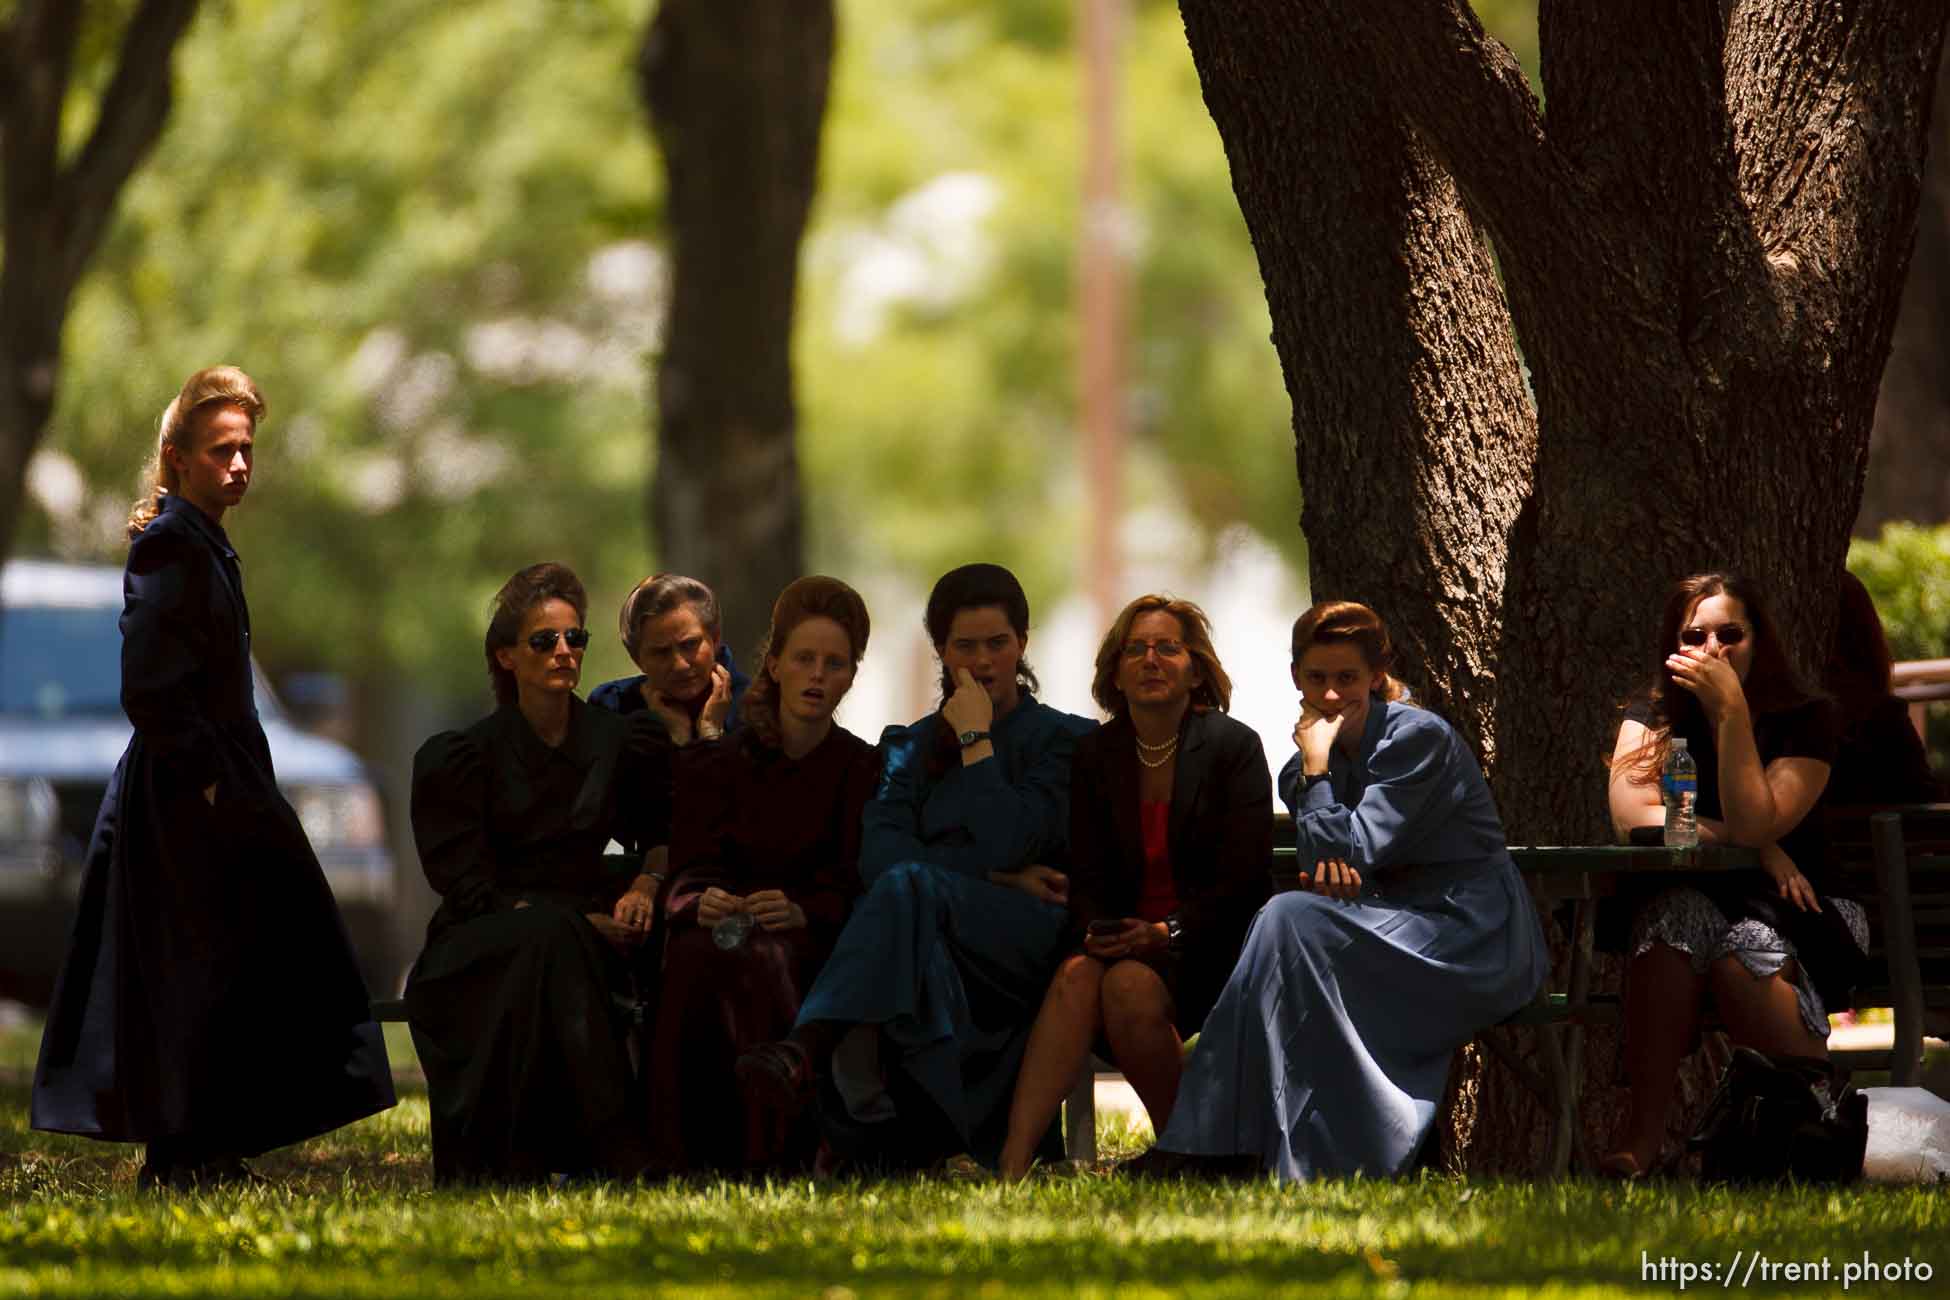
1896 861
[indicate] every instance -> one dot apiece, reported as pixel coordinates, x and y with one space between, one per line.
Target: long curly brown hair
1772 682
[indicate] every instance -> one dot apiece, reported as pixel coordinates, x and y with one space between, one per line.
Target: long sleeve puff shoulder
449 810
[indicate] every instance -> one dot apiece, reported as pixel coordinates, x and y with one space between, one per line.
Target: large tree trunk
1702 248
55 210
737 92
1909 453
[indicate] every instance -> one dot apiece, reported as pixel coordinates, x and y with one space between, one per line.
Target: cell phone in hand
1104 929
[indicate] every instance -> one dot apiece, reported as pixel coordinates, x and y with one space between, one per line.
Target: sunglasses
1725 634
543 642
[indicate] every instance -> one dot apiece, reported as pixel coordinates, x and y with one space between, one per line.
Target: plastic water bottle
1680 783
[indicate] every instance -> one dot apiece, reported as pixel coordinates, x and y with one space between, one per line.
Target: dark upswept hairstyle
1195 630
1859 664
1333 621
657 595
812 597
518 595
977 586
213 386
1772 682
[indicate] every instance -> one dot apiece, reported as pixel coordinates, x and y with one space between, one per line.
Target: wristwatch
968 738
1174 934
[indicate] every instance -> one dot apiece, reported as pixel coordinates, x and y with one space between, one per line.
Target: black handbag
1780 1117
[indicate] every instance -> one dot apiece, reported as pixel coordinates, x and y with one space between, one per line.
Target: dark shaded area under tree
1701 250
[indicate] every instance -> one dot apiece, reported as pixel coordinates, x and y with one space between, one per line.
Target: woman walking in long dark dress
766 845
949 951
512 1001
1171 837
210 1006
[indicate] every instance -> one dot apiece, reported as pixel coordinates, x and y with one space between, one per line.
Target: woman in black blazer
1171 839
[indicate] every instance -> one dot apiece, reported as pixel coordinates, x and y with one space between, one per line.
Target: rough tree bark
1909 452
54 210
1700 253
736 91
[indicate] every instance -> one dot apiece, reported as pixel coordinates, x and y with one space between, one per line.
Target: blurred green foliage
1907 572
433 234
387 215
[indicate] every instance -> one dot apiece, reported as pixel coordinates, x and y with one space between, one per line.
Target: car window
66 662
60 662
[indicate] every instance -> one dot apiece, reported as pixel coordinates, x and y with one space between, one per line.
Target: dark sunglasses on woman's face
1727 634
544 641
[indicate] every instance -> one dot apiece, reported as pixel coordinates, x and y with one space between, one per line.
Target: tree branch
1638 105
131 119
41 44
1830 105
1392 329
1468 97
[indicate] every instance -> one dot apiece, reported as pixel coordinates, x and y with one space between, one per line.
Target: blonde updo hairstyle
215 386
1333 621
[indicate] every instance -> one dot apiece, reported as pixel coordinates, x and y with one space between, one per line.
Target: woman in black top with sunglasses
511 1001
1772 947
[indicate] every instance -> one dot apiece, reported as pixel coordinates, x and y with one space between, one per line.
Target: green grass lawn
354 1214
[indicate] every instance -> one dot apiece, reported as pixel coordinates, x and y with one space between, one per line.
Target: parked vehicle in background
62 731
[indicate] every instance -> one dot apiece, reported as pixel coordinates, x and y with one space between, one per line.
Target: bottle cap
1679 742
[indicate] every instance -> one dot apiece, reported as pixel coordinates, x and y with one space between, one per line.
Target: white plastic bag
1909 1136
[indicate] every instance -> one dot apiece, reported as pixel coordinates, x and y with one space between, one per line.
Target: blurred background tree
84 94
434 234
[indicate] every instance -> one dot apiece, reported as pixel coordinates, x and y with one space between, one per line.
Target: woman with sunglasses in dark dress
511 1002
1773 947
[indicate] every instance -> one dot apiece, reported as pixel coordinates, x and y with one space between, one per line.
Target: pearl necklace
1164 752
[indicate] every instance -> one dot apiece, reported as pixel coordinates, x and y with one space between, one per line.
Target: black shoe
197 1175
230 1171
777 1076
153 1177
1160 1165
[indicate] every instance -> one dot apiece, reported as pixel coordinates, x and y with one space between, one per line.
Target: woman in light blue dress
948 953
1328 1049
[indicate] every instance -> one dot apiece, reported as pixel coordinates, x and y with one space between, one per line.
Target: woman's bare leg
1662 1014
1139 1022
1763 1013
1059 1044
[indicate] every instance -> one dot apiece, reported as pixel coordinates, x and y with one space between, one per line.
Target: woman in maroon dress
764 861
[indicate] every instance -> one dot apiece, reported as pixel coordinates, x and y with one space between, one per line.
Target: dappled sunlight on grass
354 1214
